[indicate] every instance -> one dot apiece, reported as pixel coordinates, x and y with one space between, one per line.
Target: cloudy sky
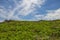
30 10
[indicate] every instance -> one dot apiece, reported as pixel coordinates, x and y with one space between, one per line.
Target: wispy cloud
3 12
28 6
24 7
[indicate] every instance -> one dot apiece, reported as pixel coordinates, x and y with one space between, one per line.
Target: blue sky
30 10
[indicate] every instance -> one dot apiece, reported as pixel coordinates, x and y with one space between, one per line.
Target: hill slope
24 30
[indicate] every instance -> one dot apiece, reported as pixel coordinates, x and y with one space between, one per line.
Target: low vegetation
30 30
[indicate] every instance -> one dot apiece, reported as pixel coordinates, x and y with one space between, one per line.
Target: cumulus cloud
51 15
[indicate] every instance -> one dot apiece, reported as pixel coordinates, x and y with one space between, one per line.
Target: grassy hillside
24 30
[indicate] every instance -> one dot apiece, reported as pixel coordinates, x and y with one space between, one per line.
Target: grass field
30 30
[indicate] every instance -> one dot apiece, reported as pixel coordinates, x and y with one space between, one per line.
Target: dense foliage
30 30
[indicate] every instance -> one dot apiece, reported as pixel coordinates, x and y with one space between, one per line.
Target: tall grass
30 30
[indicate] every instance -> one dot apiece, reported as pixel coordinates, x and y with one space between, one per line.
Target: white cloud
2 13
53 14
24 8
1 21
27 6
39 17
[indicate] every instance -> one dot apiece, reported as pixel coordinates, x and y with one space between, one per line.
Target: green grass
30 30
